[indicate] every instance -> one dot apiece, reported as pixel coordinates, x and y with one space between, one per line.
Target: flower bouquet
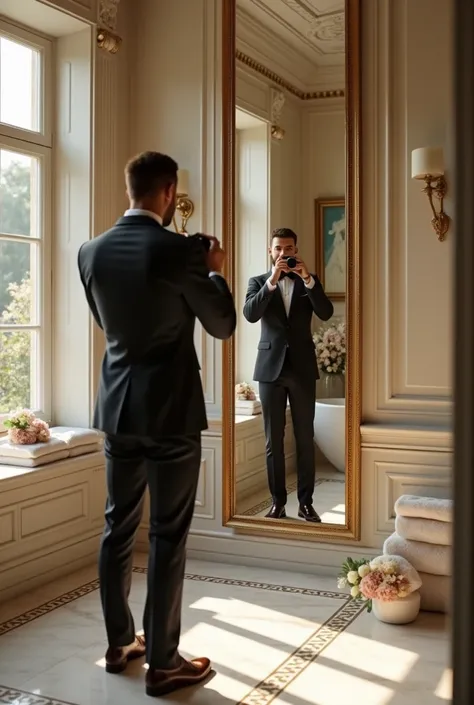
330 344
246 402
384 579
25 429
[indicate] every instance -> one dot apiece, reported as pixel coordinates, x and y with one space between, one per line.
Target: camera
205 242
291 262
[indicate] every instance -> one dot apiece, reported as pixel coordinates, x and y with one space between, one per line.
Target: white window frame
37 144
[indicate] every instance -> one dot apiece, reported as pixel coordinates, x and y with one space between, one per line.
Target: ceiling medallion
328 29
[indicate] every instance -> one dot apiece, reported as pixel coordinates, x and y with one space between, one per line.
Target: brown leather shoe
187 674
116 659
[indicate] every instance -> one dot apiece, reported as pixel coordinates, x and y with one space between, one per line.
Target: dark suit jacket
145 287
282 333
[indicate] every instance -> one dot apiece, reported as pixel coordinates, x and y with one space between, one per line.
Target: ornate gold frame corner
327 533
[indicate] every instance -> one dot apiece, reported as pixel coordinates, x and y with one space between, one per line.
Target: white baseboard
288 556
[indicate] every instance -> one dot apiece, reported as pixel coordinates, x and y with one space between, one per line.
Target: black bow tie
290 275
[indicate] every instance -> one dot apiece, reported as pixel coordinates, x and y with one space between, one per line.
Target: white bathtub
330 431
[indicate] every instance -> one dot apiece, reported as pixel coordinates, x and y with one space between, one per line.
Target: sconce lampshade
183 182
427 161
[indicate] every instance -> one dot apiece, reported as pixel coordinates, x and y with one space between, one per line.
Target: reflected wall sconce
108 41
278 103
184 205
427 164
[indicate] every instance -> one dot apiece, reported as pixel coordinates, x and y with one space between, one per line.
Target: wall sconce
184 205
278 103
108 41
427 164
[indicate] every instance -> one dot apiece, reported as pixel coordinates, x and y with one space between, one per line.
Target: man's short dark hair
285 233
148 173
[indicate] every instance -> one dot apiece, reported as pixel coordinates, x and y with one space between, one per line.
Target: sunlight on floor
375 658
267 643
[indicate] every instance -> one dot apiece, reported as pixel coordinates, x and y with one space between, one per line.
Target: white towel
35 450
424 508
427 530
425 557
74 437
85 450
435 593
36 462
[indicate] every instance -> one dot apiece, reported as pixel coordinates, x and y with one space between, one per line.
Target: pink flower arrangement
330 345
25 429
244 392
386 578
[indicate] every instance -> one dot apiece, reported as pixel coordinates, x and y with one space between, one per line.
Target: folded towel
34 462
35 450
85 450
424 508
74 437
435 593
425 557
427 530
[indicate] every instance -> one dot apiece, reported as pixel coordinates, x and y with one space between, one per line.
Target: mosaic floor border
73 595
292 487
263 693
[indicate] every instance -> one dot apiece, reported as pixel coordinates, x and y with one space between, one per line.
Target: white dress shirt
141 211
155 216
287 286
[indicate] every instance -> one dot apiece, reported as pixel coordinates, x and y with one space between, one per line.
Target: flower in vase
387 592
370 584
364 570
355 592
353 577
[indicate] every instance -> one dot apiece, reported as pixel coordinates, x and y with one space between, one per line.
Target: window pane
18 264
19 84
19 194
16 370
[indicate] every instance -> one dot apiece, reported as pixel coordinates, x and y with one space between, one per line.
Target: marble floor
278 638
329 498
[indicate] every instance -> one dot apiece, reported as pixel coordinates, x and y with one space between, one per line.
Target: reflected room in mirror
290 262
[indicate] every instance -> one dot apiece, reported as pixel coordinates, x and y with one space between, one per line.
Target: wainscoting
50 521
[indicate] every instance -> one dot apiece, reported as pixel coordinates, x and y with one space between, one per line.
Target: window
25 221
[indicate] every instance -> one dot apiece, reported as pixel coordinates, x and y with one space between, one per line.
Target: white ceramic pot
402 611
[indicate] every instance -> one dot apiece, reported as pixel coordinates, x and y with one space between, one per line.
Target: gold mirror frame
350 531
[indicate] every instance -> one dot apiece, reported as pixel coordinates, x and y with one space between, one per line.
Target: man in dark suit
284 300
145 287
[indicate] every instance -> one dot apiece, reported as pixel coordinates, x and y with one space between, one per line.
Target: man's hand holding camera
280 267
302 271
285 265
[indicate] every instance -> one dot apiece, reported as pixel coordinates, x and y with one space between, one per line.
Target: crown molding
301 75
274 78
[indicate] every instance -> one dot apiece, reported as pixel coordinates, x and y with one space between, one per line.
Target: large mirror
291 220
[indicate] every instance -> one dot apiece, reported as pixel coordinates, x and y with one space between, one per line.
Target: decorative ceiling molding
108 11
329 28
283 83
316 32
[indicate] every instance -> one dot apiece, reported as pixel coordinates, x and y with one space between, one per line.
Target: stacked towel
423 535
425 508
65 442
79 441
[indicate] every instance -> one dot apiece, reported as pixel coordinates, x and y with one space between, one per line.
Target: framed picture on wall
330 245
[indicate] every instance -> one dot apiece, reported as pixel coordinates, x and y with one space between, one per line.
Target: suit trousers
274 397
170 469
